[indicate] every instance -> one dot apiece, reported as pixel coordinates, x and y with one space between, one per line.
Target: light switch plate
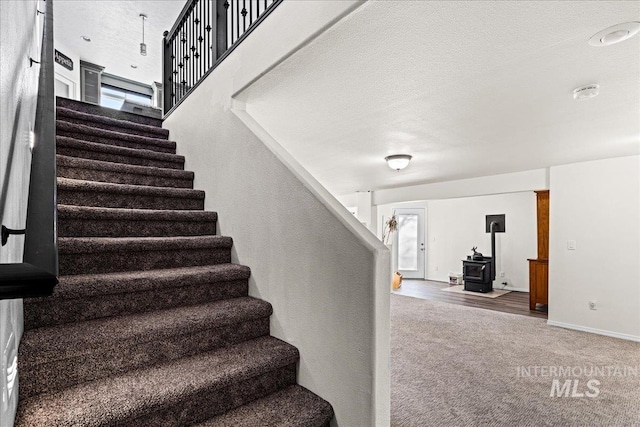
571 245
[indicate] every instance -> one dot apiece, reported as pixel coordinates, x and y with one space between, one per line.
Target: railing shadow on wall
203 35
37 275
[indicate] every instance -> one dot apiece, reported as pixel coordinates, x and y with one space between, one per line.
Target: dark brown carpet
459 366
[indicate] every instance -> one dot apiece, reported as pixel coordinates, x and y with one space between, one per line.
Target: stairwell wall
326 275
20 38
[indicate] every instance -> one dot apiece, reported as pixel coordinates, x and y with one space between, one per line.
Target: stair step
295 406
120 173
81 221
94 255
178 393
92 296
59 357
102 194
109 137
103 122
97 110
110 153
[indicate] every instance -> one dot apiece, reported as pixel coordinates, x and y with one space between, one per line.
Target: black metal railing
205 32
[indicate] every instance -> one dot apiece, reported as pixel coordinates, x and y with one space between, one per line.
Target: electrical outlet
502 274
593 305
571 245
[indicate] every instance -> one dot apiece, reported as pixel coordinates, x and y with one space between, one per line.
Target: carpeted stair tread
294 406
121 168
171 388
88 212
104 194
103 122
95 296
110 153
110 137
95 255
91 285
87 245
43 345
94 109
83 221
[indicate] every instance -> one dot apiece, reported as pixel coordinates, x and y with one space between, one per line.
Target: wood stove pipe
493 227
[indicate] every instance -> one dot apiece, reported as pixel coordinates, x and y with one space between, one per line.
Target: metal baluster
237 20
207 30
198 41
244 16
189 49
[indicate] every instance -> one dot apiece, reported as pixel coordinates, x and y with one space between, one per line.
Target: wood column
539 267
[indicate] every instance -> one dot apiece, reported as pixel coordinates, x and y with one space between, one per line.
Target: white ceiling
468 88
115 29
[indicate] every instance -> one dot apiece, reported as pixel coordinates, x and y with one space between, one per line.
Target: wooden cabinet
539 267
538 282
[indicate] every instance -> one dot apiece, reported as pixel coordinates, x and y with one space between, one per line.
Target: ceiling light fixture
86 38
143 47
586 92
398 161
615 34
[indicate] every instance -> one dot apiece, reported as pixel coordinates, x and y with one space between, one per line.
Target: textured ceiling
468 88
115 29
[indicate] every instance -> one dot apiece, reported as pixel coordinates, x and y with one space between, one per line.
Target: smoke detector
615 34
586 92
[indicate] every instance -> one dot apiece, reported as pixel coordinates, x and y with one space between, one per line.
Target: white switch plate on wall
571 245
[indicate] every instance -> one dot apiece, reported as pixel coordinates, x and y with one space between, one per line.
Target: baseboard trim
594 331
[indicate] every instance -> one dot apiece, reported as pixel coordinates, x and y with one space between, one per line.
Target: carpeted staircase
151 324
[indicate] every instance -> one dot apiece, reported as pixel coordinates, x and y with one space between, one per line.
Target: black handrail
205 32
37 275
40 245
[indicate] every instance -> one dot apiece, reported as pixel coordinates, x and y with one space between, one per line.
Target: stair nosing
63 126
69 112
86 245
121 282
106 213
70 184
101 165
69 142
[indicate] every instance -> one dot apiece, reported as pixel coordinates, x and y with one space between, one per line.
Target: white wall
72 75
456 225
20 37
324 272
597 204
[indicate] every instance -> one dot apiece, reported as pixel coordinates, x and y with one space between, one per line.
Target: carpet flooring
463 366
151 324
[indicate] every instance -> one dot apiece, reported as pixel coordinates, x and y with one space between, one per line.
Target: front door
409 243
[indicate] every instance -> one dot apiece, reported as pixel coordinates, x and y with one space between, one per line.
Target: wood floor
513 302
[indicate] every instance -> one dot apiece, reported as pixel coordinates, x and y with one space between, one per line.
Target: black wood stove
479 271
478 274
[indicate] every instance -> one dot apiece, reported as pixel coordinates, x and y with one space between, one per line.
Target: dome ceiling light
398 161
615 34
